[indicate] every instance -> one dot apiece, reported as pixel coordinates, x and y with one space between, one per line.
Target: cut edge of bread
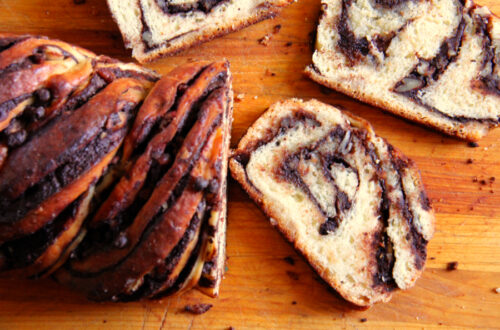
471 131
193 39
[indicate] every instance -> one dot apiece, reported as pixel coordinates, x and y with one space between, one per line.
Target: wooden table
261 289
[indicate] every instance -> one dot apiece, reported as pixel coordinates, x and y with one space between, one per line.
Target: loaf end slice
154 28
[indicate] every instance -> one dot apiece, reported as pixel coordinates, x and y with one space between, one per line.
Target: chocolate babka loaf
155 28
64 113
435 62
162 226
111 180
347 200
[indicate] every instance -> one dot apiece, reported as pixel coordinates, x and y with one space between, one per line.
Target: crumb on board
289 260
265 40
469 161
239 97
197 308
363 320
452 265
496 290
472 144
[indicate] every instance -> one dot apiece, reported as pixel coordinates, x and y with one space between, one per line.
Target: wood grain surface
260 288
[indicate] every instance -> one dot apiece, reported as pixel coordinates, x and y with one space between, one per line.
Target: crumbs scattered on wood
239 97
197 308
276 28
289 260
474 179
78 2
482 182
269 73
292 275
363 320
492 179
294 302
496 290
472 144
469 161
452 266
230 327
264 41
289 44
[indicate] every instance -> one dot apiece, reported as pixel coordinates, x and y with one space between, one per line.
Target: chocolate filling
70 169
201 5
428 71
489 81
418 243
105 236
11 104
7 42
353 48
24 251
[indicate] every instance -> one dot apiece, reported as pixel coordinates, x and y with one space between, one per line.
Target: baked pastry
63 116
434 62
347 200
102 162
155 28
162 227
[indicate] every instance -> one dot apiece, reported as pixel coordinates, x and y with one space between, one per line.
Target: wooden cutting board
260 288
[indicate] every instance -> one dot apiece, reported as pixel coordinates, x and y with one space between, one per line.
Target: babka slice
435 62
346 199
155 28
63 118
161 228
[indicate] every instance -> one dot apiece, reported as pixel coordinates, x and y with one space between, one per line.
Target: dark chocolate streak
448 53
418 243
148 47
288 171
382 244
489 82
11 104
8 42
24 251
355 48
156 279
184 182
71 169
201 5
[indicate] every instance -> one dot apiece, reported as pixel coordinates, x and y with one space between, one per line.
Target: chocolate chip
363 320
213 186
329 226
200 184
17 138
472 144
452 266
289 260
294 302
121 241
43 95
197 308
